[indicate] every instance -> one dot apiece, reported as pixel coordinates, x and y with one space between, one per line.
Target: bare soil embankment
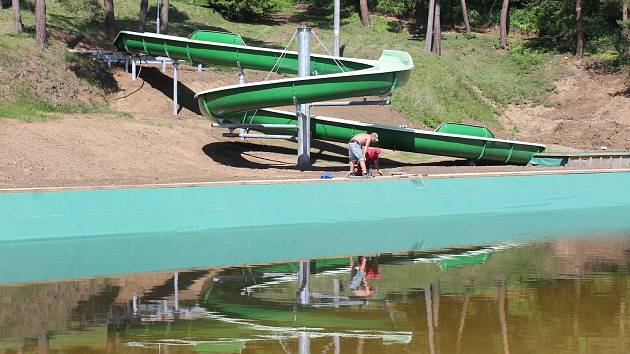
153 147
587 110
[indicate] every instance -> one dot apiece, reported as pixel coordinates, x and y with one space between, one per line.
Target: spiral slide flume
331 78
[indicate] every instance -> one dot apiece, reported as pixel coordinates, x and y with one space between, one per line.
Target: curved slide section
331 78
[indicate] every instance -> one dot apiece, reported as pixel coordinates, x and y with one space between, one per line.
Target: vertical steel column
304 283
175 105
303 110
241 76
157 22
133 69
304 343
337 344
336 20
135 303
176 288
241 80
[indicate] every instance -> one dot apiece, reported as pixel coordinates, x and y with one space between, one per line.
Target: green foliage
247 10
474 17
396 7
90 9
524 20
32 109
525 58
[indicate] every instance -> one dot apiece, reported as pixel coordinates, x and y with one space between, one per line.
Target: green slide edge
331 78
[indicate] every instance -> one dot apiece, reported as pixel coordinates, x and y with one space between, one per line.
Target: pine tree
365 14
110 20
579 50
465 15
142 23
41 37
503 25
17 16
437 30
164 17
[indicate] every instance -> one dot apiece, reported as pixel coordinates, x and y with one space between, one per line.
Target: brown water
565 296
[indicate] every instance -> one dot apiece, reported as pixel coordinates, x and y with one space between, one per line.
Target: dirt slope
587 110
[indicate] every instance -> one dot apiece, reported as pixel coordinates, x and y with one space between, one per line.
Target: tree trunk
365 13
579 49
142 23
503 25
164 17
626 29
110 20
465 15
428 39
437 30
40 24
17 16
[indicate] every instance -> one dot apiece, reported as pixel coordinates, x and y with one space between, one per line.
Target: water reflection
566 296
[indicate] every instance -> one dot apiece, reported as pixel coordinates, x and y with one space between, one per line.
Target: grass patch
35 110
473 80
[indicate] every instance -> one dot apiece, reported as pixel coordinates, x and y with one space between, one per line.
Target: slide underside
331 78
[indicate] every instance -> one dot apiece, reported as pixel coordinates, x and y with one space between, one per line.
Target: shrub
474 17
523 19
396 7
247 10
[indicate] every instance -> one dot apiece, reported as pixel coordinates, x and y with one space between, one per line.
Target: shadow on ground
242 155
164 83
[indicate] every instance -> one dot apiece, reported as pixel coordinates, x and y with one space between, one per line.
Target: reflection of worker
372 157
358 283
371 268
358 147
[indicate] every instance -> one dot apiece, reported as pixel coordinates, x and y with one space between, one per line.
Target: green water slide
331 78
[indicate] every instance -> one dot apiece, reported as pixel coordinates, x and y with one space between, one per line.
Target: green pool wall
80 233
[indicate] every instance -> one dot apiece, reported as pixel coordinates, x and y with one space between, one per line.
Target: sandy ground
587 110
154 147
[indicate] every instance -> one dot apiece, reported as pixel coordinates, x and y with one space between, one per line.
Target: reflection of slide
331 78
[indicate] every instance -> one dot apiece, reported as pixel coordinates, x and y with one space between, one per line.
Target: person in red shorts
371 161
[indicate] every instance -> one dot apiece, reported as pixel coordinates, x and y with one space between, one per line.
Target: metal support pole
304 283
176 287
157 22
163 65
303 110
175 105
126 65
135 303
304 343
241 76
336 17
133 69
337 344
